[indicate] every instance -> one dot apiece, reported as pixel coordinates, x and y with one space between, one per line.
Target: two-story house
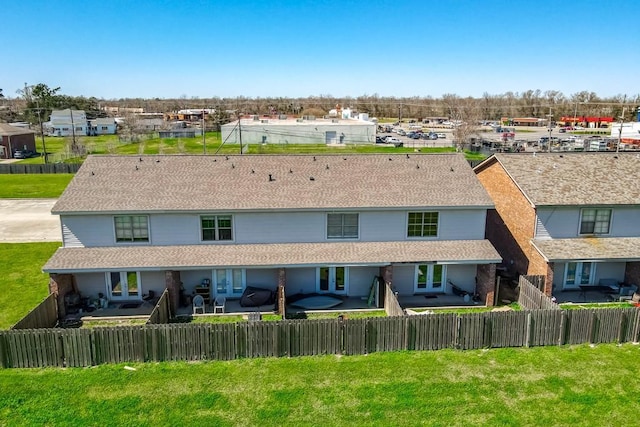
315 224
571 217
67 123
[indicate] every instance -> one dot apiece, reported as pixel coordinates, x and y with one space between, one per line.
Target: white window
595 221
216 227
422 224
124 285
230 281
131 228
342 226
430 278
334 280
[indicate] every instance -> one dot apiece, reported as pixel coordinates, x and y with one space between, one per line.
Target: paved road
28 220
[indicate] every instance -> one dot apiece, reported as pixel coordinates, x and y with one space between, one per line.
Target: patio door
124 285
429 278
230 282
578 273
333 280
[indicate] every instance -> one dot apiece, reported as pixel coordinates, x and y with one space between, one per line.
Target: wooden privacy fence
162 311
18 168
531 297
391 305
44 315
27 348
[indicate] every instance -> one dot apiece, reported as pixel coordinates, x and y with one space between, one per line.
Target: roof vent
311 178
271 178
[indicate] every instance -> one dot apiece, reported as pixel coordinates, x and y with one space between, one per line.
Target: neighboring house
106 126
326 224
14 138
573 217
68 123
307 130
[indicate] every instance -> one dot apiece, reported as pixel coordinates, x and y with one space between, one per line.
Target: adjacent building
573 217
75 123
305 130
13 138
327 224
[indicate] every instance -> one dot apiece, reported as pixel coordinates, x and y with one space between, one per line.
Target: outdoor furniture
625 294
605 289
219 303
198 304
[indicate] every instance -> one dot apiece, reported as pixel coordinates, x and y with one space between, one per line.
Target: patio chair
198 304
219 303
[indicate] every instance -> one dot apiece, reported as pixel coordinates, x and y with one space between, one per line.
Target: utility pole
620 130
73 131
44 147
204 140
240 133
549 116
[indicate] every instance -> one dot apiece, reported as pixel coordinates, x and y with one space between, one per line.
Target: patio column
486 283
386 273
173 283
282 283
632 273
61 285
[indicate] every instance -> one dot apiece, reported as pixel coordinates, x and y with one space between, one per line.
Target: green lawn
58 148
33 185
578 386
23 285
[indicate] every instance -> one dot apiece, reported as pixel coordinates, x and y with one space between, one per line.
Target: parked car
23 154
395 141
441 135
401 132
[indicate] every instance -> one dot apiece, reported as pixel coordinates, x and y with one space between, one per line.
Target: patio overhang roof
622 249
192 257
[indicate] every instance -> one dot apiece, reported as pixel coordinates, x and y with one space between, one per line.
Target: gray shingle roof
196 183
6 129
562 179
270 255
590 249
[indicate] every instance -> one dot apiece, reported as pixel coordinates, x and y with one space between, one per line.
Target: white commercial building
307 130
630 132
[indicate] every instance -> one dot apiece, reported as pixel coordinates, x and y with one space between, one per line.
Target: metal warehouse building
306 130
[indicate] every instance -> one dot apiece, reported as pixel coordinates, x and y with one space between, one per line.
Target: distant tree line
531 103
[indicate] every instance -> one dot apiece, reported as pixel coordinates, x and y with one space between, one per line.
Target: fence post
563 328
527 337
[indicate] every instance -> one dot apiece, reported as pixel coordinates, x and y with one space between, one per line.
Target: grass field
58 148
22 283
33 185
578 386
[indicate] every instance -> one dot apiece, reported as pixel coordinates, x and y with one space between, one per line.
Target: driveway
28 220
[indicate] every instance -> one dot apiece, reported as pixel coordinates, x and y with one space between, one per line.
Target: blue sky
168 49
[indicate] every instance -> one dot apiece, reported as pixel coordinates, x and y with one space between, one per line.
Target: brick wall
511 226
486 283
632 273
61 285
173 284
